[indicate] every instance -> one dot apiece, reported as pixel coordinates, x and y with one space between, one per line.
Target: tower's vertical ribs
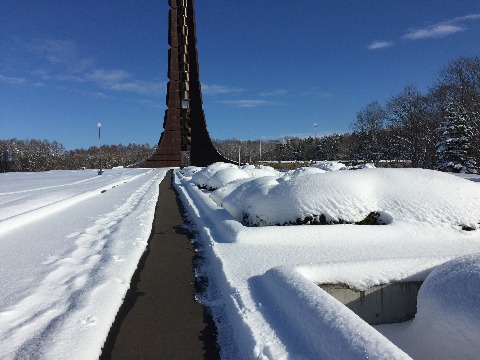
185 139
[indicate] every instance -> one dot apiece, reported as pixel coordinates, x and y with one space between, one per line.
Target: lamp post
314 131
315 142
260 149
100 172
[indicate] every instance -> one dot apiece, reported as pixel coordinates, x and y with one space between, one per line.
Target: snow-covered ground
70 242
264 279
69 249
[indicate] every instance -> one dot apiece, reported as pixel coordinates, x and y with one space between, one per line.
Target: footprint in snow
89 320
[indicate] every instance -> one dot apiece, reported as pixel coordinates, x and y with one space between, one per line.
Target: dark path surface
160 318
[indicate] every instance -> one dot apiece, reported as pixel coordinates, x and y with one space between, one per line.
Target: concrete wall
381 304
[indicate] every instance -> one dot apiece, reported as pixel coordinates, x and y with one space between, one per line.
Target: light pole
314 131
260 149
315 142
100 172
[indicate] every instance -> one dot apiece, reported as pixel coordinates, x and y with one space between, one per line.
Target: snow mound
219 174
373 195
322 327
221 193
363 166
303 171
448 314
188 171
201 177
262 171
330 165
224 176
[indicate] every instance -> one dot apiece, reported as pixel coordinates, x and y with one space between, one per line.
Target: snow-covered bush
260 171
201 177
330 165
368 196
222 192
224 176
303 171
363 166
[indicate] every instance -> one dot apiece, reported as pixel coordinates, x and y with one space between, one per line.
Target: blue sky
268 69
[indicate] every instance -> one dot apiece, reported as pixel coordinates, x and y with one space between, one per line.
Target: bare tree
368 130
412 128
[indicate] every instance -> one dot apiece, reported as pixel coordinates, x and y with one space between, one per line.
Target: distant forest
411 128
42 155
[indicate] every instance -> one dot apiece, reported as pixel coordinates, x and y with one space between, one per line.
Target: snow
263 287
330 165
448 314
407 195
70 242
224 176
200 177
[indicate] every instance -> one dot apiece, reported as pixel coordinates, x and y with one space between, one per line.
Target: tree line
439 129
411 128
42 155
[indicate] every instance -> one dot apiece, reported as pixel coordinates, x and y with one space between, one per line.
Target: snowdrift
322 195
447 324
264 293
371 196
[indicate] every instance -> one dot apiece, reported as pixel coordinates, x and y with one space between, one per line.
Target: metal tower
185 139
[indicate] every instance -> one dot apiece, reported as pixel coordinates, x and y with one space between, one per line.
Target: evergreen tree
454 147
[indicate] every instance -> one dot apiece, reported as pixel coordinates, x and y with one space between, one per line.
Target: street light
260 149
100 172
314 131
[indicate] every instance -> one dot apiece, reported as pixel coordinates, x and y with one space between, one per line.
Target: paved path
160 318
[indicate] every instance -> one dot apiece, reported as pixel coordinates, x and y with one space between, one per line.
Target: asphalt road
160 318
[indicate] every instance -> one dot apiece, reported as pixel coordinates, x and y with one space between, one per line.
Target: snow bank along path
70 242
263 285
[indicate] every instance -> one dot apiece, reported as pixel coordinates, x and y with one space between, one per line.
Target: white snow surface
69 249
201 177
448 314
398 195
263 284
330 165
70 243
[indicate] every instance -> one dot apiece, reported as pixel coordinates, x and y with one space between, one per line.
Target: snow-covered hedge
261 196
201 177
220 174
330 165
366 196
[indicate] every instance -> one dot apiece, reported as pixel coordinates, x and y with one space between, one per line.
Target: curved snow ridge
49 320
313 324
362 275
52 204
228 309
447 324
206 213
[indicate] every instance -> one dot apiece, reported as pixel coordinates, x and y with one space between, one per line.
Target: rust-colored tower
185 139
